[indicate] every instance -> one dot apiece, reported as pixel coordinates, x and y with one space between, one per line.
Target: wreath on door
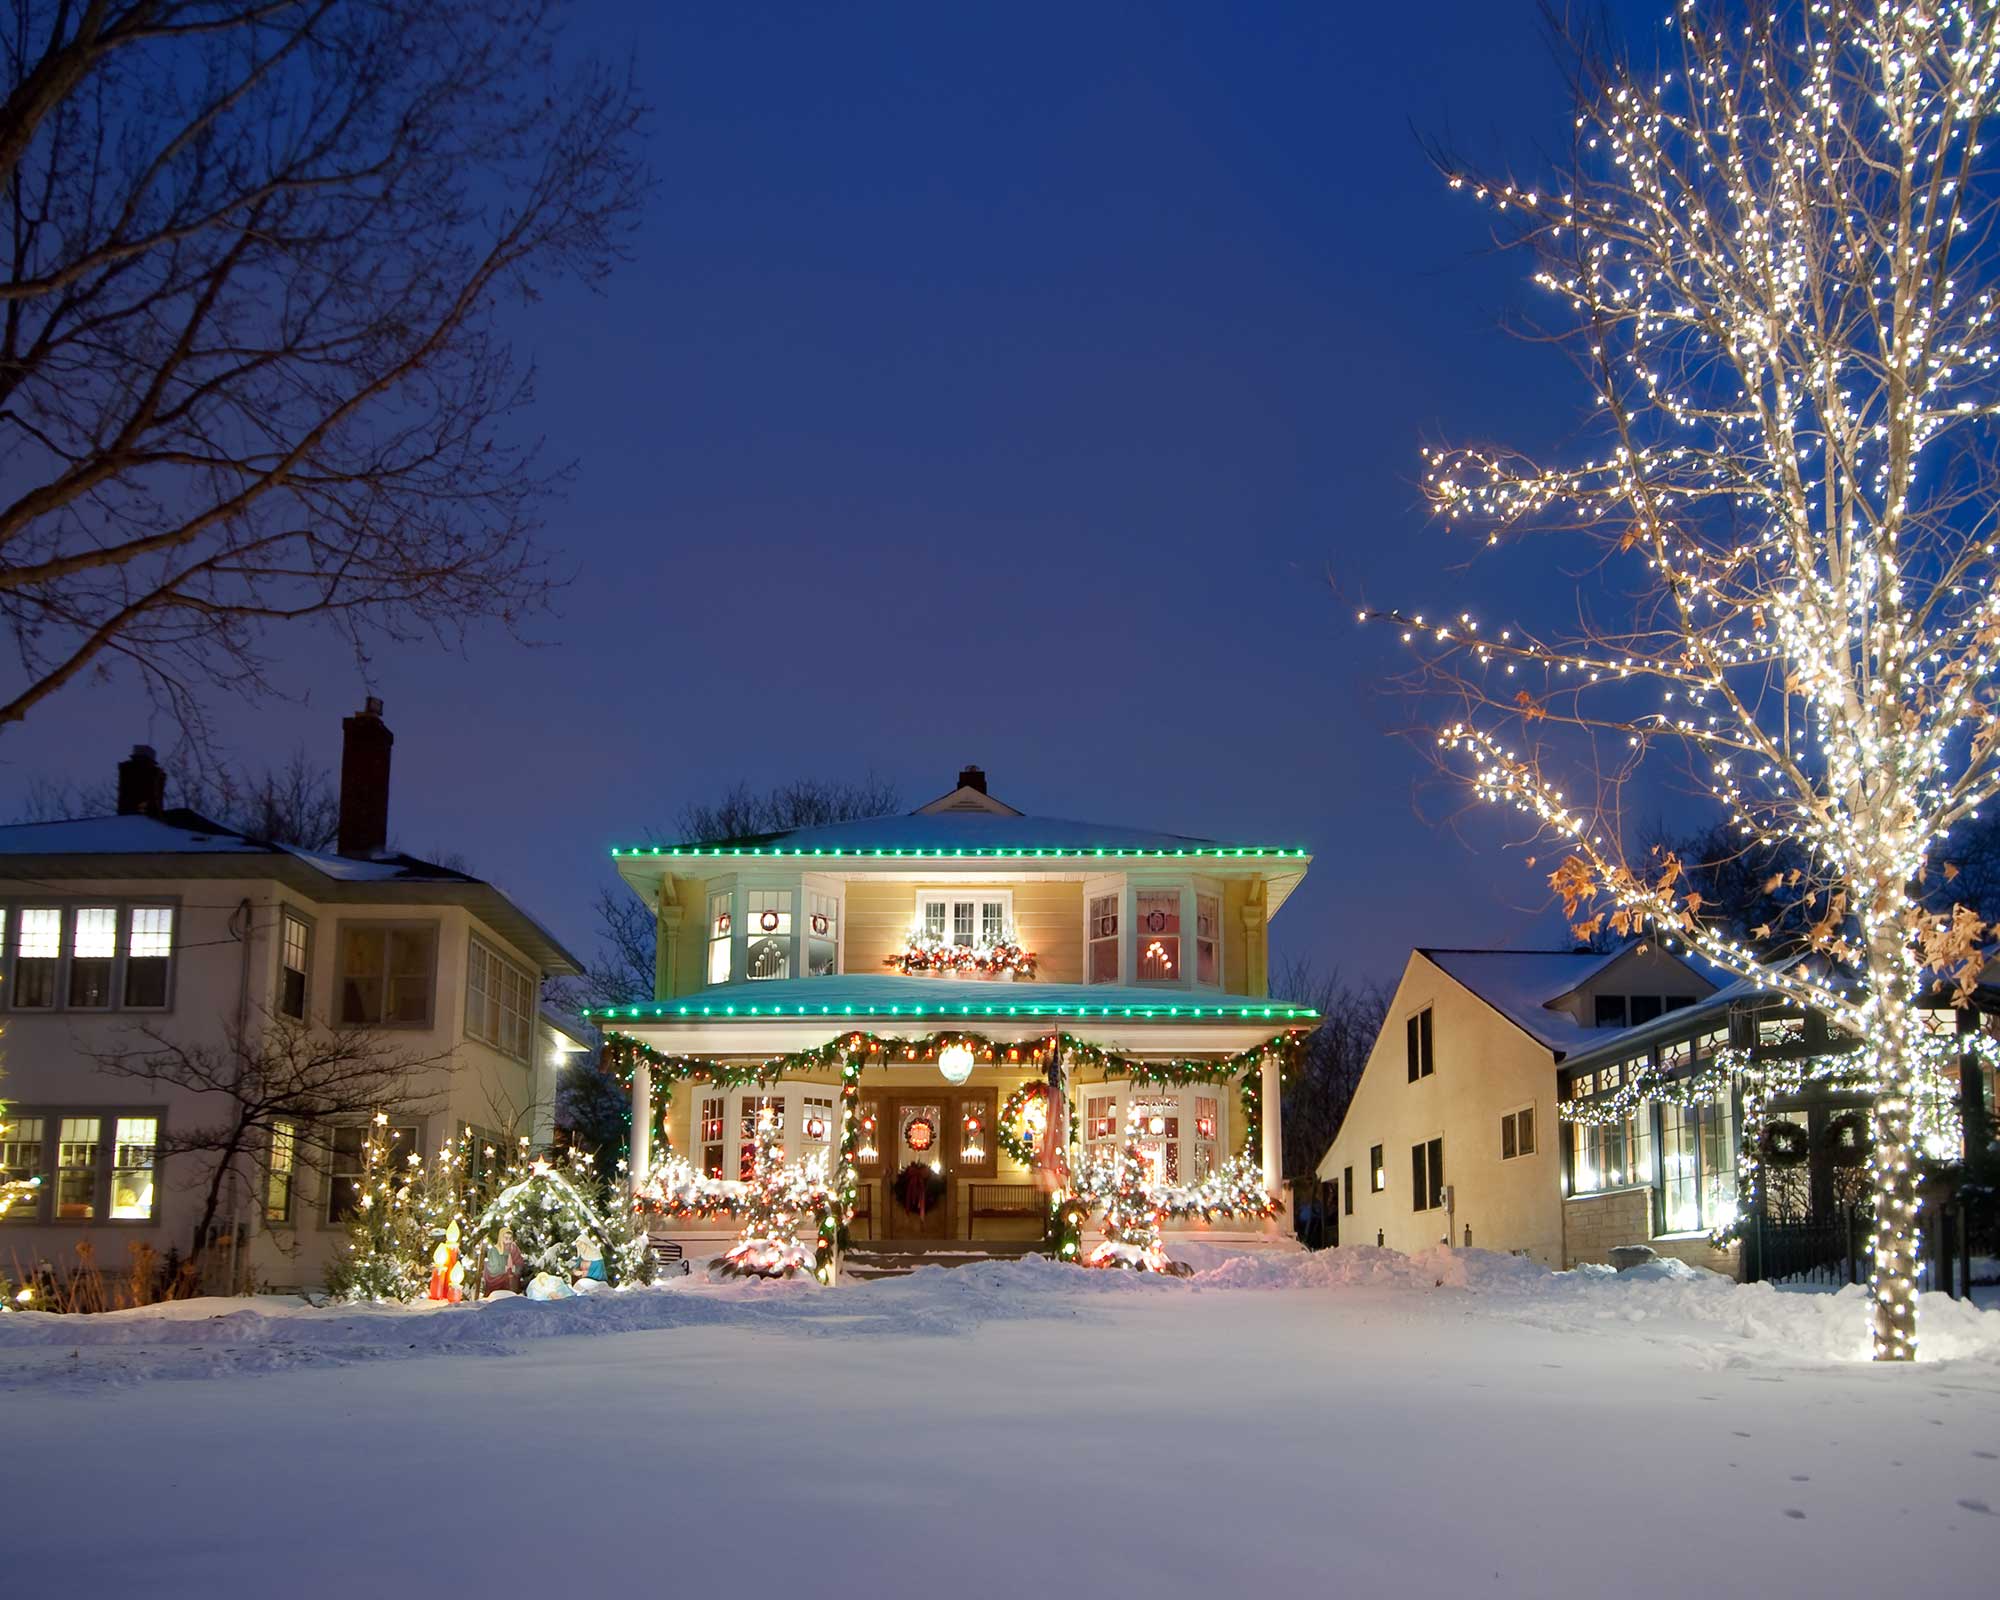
918 1187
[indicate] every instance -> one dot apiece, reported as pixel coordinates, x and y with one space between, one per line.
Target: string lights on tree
1775 254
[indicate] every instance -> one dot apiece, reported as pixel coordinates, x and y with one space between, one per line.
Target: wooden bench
1012 1200
669 1257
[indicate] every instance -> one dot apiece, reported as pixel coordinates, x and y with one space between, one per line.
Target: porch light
955 1062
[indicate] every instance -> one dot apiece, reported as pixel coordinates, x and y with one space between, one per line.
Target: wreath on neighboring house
1784 1144
1846 1139
918 1187
1020 1136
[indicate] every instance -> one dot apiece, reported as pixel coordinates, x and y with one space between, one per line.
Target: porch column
1272 1106
641 1164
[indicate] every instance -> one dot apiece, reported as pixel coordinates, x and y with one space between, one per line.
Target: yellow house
1452 1132
901 994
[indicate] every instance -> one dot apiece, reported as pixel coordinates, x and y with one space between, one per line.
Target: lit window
822 934
1159 928
499 1002
1155 1125
971 921
768 928
132 1168
76 1169
21 1161
93 952
975 1132
1102 927
718 938
385 975
816 1122
711 1136
746 1130
294 956
281 1170
1517 1133
1378 1174
36 961
1612 1155
867 1149
1207 939
149 947
1207 1125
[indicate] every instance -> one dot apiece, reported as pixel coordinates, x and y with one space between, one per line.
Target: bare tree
1328 1068
1776 252
743 813
251 368
296 804
281 1087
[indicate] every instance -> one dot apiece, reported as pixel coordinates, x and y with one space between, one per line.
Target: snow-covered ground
1355 1422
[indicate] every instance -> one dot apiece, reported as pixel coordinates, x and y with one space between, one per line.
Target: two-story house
783 957
157 927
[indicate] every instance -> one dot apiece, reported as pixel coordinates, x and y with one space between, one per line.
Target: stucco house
899 992
159 924
1452 1132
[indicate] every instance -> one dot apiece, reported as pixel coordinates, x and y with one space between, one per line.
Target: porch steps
896 1258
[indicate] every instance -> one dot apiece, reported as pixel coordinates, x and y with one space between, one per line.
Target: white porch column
1272 1107
641 1164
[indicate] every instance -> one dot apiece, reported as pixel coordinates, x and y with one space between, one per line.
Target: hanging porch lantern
955 1062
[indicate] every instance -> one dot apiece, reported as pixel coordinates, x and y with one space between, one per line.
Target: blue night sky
1002 385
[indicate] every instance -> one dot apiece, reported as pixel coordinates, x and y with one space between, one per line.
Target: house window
1417 1042
976 1148
709 1135
1347 1191
347 1166
281 1170
817 1122
1101 929
37 959
1613 1155
973 921
294 956
768 927
1645 1007
76 1169
1156 1128
385 974
822 934
1207 1125
93 952
1697 1167
746 1130
499 1002
149 950
1517 1133
1207 939
1378 1172
718 938
1159 925
132 1168
21 1162
1100 1126
866 1150
1610 1011
1427 1175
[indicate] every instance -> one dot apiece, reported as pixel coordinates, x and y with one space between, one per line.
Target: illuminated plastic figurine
447 1271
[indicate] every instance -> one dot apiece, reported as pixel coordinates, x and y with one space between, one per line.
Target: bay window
1158 928
1208 939
1101 936
822 934
718 937
768 930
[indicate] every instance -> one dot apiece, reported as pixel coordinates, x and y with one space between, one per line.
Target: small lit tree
1777 255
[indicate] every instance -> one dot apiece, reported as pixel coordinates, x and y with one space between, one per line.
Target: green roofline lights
659 1010
955 852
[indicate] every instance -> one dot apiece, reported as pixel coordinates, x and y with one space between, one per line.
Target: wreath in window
1846 1138
1023 1117
918 1187
1784 1144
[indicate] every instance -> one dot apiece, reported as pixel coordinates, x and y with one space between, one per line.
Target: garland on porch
1937 1125
926 953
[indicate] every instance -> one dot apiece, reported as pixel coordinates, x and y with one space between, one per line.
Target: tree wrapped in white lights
1776 256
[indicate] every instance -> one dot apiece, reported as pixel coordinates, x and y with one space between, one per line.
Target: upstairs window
822 934
718 937
768 928
37 959
93 953
294 956
1610 1010
386 973
1417 1044
499 1002
1159 929
1208 939
1378 1173
278 1180
149 948
1427 1175
974 921
1101 930
90 958
1517 1134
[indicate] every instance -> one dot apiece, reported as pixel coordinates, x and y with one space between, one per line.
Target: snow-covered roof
124 835
870 995
964 833
1522 985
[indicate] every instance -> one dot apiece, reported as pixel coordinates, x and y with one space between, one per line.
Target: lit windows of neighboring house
294 963
1417 1044
1517 1134
1208 939
132 1151
281 1174
1427 1175
347 1165
149 951
76 1169
499 1002
719 927
93 956
1378 1173
822 934
767 932
386 974
1157 929
37 958
21 1162
89 958
98 1168
1101 930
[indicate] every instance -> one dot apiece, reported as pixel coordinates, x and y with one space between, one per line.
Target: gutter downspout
241 920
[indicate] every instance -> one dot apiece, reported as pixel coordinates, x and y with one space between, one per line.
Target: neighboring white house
161 919
1452 1131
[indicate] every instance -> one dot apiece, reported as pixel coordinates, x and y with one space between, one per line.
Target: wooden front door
919 1125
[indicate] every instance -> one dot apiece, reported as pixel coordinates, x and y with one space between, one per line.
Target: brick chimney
364 782
972 778
142 784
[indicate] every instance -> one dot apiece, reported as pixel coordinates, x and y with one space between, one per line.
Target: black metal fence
1827 1248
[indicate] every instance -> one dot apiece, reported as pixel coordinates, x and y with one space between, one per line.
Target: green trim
952 852
661 1010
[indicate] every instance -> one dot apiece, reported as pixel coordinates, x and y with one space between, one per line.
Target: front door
919 1170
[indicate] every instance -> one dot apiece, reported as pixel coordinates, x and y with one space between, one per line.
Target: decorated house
902 1002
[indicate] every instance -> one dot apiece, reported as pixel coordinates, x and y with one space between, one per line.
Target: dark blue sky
1002 384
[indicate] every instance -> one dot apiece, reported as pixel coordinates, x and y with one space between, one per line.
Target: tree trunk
1893 1280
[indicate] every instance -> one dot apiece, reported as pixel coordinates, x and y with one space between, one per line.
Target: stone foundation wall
1593 1225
